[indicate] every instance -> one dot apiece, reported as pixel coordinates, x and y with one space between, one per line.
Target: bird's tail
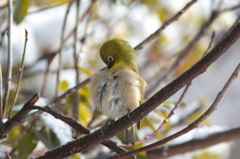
129 136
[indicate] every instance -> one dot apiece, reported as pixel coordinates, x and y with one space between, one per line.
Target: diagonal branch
169 115
196 144
124 122
19 117
77 126
193 125
167 23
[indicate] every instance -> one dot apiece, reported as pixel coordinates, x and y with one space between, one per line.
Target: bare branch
196 144
167 23
193 125
124 122
76 62
1 96
9 61
210 44
7 155
19 118
59 115
61 46
231 9
184 54
21 73
77 126
168 117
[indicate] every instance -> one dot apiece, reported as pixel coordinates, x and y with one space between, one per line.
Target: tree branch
168 117
196 144
193 125
20 76
19 117
61 47
9 60
124 122
159 79
167 23
77 126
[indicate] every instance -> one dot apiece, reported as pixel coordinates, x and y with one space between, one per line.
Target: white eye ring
110 58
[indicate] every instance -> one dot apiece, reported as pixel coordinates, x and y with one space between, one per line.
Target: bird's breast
116 93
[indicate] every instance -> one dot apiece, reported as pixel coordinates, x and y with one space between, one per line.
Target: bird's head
118 51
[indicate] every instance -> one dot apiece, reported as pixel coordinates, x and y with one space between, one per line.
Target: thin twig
76 64
45 76
231 8
7 155
18 118
59 115
158 80
21 73
167 23
193 125
166 119
80 19
187 50
1 96
210 44
61 47
9 61
195 144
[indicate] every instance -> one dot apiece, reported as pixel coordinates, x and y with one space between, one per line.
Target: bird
118 89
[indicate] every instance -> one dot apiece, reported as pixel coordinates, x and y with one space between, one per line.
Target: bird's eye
110 58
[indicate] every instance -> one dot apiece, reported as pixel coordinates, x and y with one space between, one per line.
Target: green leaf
26 145
49 138
20 10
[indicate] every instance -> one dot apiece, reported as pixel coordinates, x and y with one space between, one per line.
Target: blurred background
73 31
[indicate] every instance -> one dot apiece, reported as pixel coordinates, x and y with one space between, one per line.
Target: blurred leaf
149 1
59 1
85 114
85 71
168 124
141 155
85 92
162 14
20 10
76 156
50 2
26 145
49 138
14 135
150 124
64 85
207 154
167 103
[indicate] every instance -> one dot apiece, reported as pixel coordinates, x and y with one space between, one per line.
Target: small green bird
118 89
